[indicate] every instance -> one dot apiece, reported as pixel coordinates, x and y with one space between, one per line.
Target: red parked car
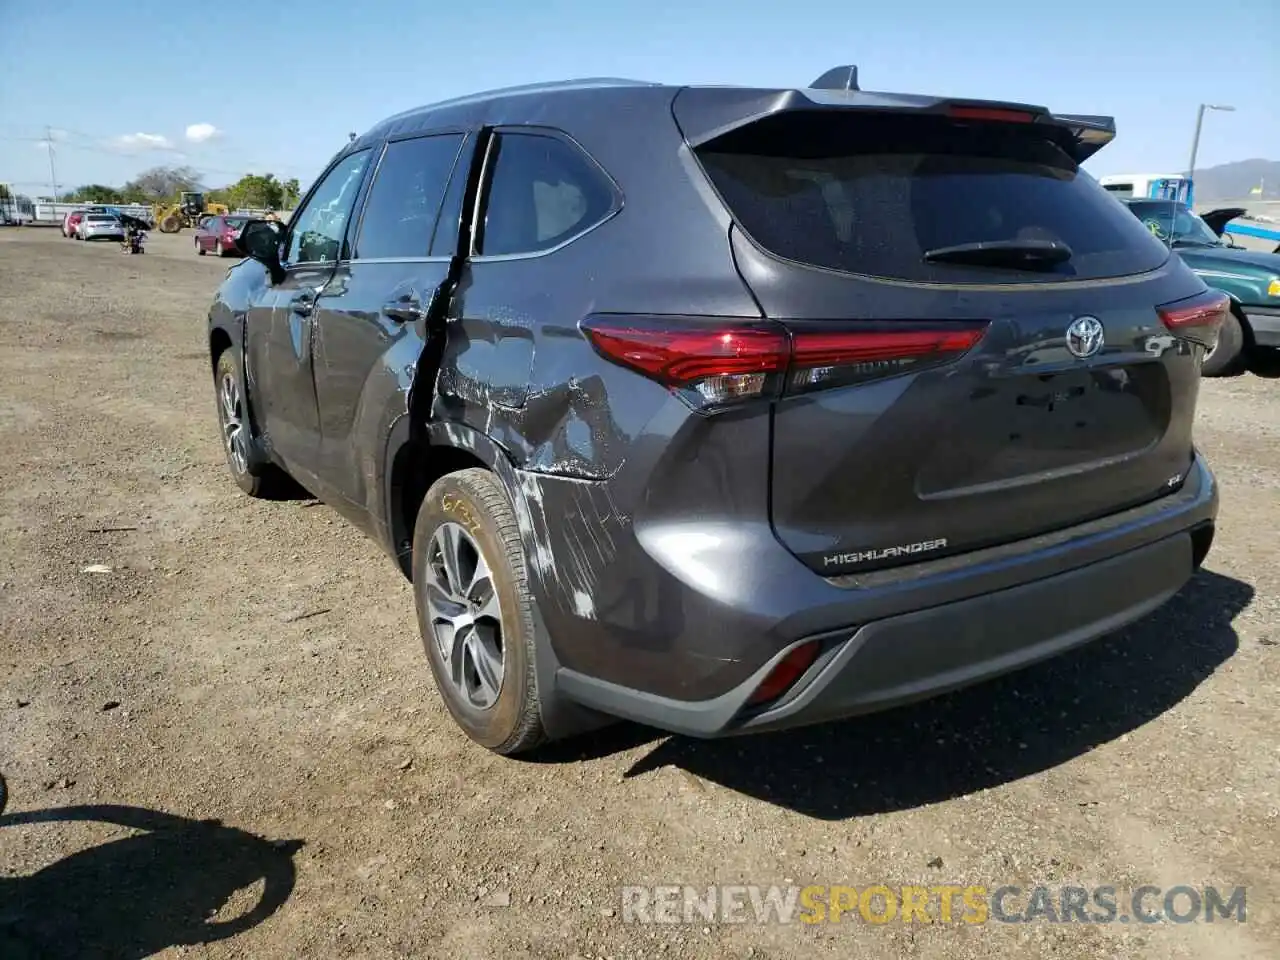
221 235
70 223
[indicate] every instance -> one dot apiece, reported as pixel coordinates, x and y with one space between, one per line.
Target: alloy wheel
233 427
466 615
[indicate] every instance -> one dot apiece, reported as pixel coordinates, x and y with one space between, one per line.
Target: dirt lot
258 664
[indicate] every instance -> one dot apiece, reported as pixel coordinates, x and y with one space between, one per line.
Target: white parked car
100 226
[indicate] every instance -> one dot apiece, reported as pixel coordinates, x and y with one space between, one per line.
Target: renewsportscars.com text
940 903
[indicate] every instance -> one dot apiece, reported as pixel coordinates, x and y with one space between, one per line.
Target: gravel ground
239 713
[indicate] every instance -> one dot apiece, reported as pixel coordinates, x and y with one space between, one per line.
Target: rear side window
404 200
872 195
543 191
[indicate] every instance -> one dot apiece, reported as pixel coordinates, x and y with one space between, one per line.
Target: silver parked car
100 226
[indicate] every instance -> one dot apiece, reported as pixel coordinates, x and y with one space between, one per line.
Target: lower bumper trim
924 653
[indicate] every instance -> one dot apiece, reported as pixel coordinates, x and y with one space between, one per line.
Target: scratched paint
586 529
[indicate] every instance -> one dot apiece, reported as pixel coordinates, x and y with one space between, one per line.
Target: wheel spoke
229 400
449 538
457 658
485 598
446 639
440 603
487 661
482 593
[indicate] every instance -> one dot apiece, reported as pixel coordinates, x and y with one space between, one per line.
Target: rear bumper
952 625
1265 323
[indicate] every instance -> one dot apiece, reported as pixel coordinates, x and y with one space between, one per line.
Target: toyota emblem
1084 337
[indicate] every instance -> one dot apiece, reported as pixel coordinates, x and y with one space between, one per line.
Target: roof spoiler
837 78
1091 133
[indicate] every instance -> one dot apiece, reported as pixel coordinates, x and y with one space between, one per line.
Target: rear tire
200 251
217 249
475 611
1227 357
252 474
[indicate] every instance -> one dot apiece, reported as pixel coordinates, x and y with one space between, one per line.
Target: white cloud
200 132
137 142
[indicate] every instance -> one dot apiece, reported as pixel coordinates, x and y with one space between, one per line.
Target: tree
162 183
95 193
4 192
291 193
256 191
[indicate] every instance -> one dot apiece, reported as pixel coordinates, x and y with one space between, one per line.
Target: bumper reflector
788 670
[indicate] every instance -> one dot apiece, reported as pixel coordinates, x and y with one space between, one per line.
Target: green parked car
1250 278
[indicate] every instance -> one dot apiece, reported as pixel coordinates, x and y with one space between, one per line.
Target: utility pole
1195 140
53 171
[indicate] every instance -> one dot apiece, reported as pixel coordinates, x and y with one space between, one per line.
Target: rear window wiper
1020 254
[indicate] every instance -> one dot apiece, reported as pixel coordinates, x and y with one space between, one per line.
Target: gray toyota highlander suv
728 409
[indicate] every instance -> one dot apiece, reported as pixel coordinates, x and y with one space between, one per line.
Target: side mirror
260 239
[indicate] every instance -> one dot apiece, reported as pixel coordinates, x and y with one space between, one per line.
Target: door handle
404 309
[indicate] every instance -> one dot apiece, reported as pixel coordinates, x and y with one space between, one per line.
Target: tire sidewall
1227 353
454 499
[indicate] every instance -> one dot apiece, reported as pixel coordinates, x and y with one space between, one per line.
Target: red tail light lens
823 358
997 114
782 677
713 362
1208 309
677 351
716 361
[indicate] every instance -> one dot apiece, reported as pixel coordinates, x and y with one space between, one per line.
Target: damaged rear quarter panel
517 368
591 450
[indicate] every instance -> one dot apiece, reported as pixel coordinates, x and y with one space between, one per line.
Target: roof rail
549 86
837 78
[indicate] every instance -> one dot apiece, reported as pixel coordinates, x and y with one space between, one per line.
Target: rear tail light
996 114
1197 318
716 361
783 676
822 358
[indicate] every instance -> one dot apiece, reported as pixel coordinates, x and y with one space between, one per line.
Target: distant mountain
1234 181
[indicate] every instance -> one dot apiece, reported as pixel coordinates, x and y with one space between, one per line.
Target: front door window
315 236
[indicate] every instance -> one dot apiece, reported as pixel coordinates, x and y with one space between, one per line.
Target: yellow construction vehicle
186 212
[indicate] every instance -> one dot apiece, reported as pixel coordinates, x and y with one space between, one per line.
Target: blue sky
230 87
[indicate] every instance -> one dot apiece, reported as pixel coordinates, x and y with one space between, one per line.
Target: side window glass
405 197
316 232
445 241
542 192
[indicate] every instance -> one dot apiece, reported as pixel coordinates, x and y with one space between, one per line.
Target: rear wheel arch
219 340
417 459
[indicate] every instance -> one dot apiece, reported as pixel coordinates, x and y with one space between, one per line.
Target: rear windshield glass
237 222
101 218
873 194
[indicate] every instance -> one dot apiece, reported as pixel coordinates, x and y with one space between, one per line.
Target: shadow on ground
1265 363
980 737
178 882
